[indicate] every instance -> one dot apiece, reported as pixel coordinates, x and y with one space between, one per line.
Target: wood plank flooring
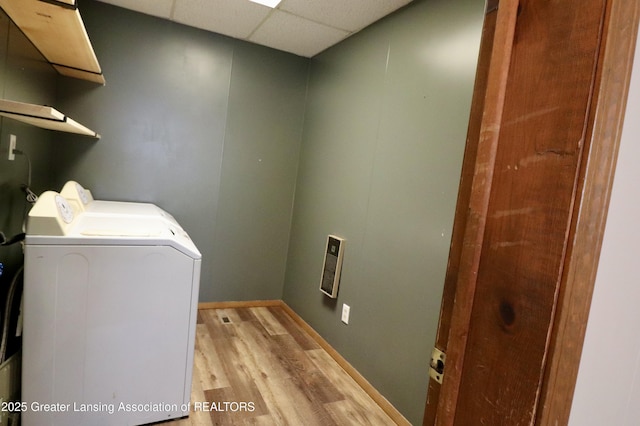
256 366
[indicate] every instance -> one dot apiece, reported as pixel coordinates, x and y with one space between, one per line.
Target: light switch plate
346 310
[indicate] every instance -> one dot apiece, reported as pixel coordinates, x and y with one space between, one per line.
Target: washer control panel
52 214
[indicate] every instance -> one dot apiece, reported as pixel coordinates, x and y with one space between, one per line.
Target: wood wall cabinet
56 29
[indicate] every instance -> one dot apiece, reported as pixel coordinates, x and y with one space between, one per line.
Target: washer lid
128 208
82 200
130 230
52 222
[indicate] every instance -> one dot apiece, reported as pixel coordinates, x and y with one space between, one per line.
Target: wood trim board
595 183
240 304
478 205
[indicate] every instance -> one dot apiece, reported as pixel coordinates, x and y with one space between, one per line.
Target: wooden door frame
590 212
478 203
606 115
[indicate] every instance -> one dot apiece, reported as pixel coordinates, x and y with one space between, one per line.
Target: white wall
608 386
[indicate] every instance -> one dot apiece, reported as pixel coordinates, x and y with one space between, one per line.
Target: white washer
110 307
82 200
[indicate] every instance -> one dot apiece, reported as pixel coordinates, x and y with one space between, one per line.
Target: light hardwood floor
256 366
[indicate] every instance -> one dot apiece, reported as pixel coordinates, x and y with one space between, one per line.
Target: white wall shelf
56 29
43 116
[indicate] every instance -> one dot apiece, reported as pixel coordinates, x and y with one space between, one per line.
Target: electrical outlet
346 309
12 147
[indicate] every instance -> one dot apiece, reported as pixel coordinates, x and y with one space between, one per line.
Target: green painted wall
204 126
260 163
384 133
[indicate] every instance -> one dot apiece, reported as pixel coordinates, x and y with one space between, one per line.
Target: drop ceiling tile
229 17
319 24
159 8
350 15
296 35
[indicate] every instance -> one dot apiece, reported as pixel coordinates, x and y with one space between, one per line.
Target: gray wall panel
335 168
162 117
384 135
183 116
260 163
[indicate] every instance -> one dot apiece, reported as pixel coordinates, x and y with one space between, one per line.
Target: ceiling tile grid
237 19
301 27
296 35
349 15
